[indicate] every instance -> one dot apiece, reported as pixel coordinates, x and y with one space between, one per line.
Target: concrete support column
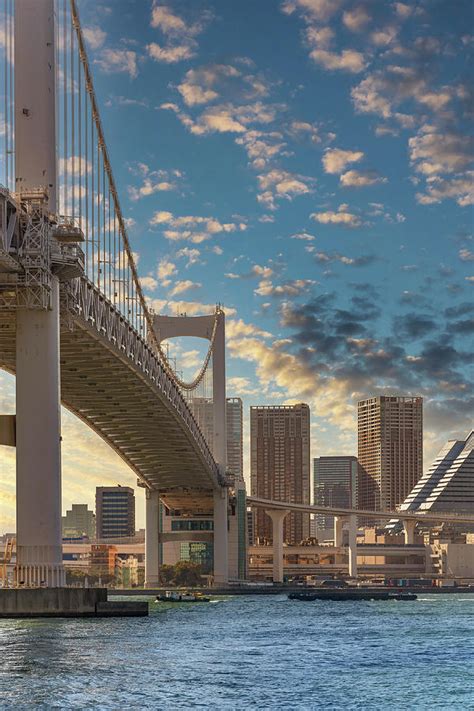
338 526
219 445
152 523
221 537
38 440
352 546
38 422
409 531
277 516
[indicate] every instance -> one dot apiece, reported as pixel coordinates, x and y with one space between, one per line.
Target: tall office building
335 484
235 436
390 450
115 512
202 409
280 465
78 522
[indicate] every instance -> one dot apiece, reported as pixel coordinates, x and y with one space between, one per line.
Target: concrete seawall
66 602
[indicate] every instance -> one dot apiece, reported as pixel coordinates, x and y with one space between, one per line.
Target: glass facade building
335 484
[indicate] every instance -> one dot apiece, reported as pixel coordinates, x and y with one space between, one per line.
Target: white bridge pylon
211 328
74 324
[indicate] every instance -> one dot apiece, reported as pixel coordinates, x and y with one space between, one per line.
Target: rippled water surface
262 652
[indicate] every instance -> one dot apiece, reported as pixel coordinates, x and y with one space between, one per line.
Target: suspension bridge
75 326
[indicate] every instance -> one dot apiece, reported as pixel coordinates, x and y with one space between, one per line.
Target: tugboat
177 596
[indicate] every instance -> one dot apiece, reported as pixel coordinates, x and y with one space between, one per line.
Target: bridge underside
102 386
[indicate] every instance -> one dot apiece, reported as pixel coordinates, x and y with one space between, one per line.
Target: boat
177 596
354 594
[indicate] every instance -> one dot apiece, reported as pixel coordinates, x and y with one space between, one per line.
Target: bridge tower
211 328
38 416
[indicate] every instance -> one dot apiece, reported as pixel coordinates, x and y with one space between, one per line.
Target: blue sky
306 163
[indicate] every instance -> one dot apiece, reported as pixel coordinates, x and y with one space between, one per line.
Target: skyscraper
202 409
115 512
280 465
335 484
390 450
235 439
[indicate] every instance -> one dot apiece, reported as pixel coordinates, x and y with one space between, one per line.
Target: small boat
351 594
405 596
177 596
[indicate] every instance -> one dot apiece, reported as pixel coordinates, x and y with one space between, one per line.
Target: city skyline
291 339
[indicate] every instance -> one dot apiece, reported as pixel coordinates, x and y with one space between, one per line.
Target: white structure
211 328
38 419
104 334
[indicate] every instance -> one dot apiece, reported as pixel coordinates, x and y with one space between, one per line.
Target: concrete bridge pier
339 522
338 526
152 549
409 531
277 516
352 546
221 536
38 421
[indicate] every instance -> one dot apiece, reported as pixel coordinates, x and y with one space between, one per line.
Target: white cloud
224 118
154 182
461 189
94 36
293 287
193 228
433 152
380 92
359 179
304 236
356 19
170 54
466 255
335 160
198 84
148 283
279 183
165 270
341 217
385 36
349 60
321 10
262 147
113 61
190 254
180 287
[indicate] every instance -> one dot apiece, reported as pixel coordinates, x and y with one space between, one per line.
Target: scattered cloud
359 179
341 217
293 287
335 160
112 61
278 184
192 228
180 287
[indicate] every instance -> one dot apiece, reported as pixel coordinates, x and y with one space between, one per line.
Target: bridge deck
137 410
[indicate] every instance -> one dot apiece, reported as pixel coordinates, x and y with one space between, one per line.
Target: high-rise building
202 409
115 512
390 450
78 522
235 436
335 484
280 465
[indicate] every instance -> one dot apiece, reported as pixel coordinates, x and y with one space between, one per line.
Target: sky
308 164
